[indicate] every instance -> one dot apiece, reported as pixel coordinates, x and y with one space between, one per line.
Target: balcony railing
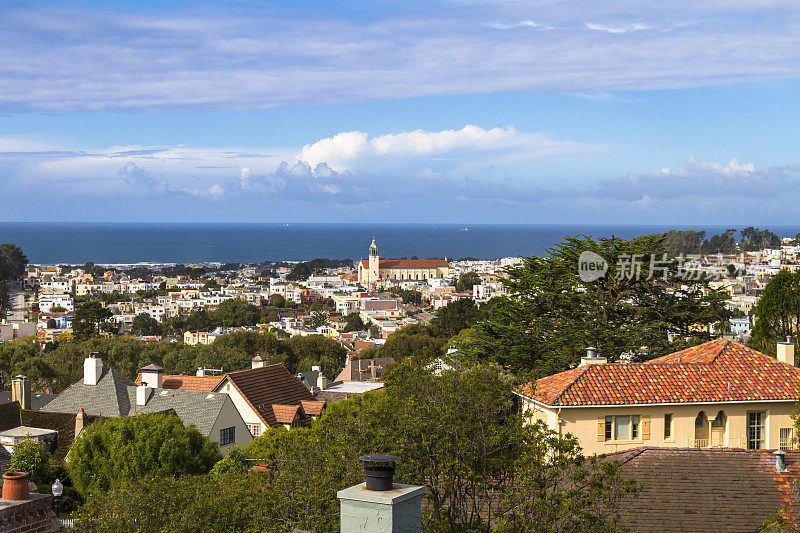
737 441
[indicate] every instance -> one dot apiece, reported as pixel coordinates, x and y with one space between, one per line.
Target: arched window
700 420
719 421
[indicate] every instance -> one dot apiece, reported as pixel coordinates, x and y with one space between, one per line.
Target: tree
551 315
51 323
236 312
234 462
466 281
313 350
145 325
58 309
777 313
199 320
88 320
413 340
300 272
12 261
210 284
276 300
118 449
455 316
31 456
319 319
354 323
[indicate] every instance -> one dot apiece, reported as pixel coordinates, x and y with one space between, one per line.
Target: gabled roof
716 371
110 397
313 408
286 414
262 387
196 383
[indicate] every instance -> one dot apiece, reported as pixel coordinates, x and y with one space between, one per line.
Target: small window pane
668 426
609 426
635 427
622 427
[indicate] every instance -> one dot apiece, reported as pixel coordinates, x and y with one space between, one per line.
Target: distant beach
126 243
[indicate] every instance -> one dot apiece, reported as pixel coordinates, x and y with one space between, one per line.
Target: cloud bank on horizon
220 60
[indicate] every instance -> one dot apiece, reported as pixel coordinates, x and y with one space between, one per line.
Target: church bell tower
374 264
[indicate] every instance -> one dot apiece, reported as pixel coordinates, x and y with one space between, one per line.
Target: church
372 271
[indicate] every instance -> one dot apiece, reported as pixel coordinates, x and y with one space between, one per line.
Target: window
227 436
667 426
756 430
255 429
787 438
628 427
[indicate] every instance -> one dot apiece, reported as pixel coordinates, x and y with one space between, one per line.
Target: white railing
67 522
738 441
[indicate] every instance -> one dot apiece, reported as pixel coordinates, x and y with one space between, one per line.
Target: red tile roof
717 371
196 383
408 263
285 414
313 408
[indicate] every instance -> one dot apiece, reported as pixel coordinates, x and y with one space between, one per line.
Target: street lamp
58 490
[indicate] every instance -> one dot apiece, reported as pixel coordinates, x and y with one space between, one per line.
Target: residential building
105 392
717 394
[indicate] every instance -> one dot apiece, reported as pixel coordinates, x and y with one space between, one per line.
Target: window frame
760 442
635 423
669 421
227 436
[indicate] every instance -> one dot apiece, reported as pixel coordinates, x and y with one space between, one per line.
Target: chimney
258 362
201 372
780 460
153 376
322 381
786 351
380 505
21 391
80 422
142 394
92 369
592 358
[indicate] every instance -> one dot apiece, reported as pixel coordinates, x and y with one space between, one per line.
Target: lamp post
58 490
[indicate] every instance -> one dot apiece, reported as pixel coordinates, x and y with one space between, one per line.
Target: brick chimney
21 391
80 422
322 381
786 351
92 369
152 376
258 362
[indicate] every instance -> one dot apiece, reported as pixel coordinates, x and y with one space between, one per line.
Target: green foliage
276 300
319 350
551 316
234 313
300 272
118 449
233 463
455 317
189 504
199 320
89 319
51 323
144 324
12 261
354 323
413 340
466 281
58 309
31 456
210 284
777 313
318 319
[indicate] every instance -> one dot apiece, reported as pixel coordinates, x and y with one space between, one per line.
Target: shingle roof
271 384
717 371
196 383
704 490
115 396
38 399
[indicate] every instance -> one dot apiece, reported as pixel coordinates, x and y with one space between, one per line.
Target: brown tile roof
285 414
313 408
268 385
704 490
717 371
196 383
408 263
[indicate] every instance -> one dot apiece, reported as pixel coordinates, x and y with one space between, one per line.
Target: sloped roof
704 490
196 383
38 399
285 414
716 371
351 372
313 408
115 396
110 397
408 263
271 384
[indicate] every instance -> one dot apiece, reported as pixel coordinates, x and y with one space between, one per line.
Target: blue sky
460 111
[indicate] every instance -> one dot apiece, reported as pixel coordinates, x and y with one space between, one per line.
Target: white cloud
345 149
617 29
245 177
216 190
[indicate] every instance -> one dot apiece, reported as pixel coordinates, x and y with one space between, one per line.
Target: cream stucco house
717 394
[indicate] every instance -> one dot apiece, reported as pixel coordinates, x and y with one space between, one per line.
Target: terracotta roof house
706 490
268 396
717 394
105 392
364 369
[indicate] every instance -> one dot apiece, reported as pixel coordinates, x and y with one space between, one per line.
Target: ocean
127 243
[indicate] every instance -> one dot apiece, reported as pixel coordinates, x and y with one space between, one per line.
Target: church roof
408 263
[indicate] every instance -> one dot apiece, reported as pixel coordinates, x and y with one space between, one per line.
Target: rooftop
716 371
